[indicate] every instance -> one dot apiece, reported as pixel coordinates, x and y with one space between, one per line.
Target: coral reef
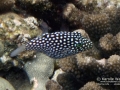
110 44
95 6
67 81
82 67
95 24
52 85
92 86
96 20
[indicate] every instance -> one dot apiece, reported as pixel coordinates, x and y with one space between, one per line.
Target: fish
57 44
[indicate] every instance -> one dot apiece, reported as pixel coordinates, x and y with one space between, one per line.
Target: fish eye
79 45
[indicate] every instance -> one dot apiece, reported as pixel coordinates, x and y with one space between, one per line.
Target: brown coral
52 85
87 69
85 5
92 86
96 25
67 81
114 17
68 64
70 12
103 67
110 44
99 18
113 66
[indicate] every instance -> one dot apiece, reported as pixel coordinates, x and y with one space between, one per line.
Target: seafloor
95 69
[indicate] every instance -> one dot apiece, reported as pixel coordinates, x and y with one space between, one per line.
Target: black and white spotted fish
57 44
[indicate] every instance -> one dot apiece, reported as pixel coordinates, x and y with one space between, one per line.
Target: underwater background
92 63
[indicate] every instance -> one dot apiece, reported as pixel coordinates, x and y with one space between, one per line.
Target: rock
39 70
5 85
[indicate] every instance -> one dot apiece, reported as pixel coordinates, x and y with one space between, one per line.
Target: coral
98 21
96 24
106 68
95 6
92 86
87 69
5 85
16 26
32 22
67 81
6 62
85 5
39 70
68 64
110 44
114 17
107 43
112 68
84 65
70 12
6 5
52 85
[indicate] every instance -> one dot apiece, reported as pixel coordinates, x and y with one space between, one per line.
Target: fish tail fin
18 50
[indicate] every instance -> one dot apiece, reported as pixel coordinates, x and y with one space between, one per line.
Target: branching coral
96 24
100 19
67 81
87 69
92 86
52 85
110 44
